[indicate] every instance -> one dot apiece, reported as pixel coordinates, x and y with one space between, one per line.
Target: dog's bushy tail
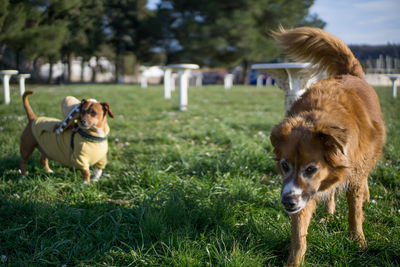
319 48
29 112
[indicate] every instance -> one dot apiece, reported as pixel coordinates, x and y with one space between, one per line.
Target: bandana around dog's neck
91 138
85 135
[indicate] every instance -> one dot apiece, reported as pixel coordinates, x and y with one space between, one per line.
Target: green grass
194 188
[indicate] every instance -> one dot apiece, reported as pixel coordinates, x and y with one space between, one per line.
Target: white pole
173 80
394 87
260 80
183 89
269 81
167 83
21 85
228 81
143 81
295 88
199 80
21 78
6 86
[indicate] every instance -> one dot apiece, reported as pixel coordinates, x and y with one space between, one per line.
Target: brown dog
81 147
330 138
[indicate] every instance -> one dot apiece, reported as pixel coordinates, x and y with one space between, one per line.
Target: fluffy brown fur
330 138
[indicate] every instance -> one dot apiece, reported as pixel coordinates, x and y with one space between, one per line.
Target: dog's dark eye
93 113
310 170
285 166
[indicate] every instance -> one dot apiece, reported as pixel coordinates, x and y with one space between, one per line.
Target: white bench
393 78
184 74
6 75
289 77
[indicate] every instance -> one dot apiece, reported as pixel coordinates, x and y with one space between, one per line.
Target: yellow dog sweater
57 147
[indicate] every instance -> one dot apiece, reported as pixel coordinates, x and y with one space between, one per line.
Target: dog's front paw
360 239
292 263
96 174
23 174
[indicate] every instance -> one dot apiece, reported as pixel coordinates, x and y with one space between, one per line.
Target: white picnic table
289 77
393 78
184 74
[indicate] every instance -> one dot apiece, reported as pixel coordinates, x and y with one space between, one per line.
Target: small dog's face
92 114
311 160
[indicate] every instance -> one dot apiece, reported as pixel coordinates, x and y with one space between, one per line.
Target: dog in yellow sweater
80 145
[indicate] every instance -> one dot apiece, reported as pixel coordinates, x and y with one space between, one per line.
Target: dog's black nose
289 202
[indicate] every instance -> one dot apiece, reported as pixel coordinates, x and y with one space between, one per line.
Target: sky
371 22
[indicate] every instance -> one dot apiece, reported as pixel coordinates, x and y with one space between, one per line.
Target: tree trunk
117 68
83 70
18 59
51 62
36 75
69 67
122 68
94 70
246 72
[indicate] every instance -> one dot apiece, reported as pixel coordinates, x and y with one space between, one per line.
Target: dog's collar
90 137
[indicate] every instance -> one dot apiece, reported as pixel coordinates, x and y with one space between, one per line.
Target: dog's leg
355 199
86 176
330 205
98 168
366 191
27 145
25 154
45 162
97 174
298 244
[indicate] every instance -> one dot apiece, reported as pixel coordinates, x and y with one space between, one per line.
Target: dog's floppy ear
83 102
332 137
279 132
107 109
334 141
276 136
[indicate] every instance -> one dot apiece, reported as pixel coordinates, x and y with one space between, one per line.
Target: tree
123 18
86 32
13 17
36 28
225 32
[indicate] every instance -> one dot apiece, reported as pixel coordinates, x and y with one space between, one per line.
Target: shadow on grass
9 166
35 233
6 162
177 226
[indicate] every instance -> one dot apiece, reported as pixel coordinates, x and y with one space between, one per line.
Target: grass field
194 188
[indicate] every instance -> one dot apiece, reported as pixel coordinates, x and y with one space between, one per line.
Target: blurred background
104 41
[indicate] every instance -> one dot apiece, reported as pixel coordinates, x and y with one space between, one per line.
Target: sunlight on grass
194 188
